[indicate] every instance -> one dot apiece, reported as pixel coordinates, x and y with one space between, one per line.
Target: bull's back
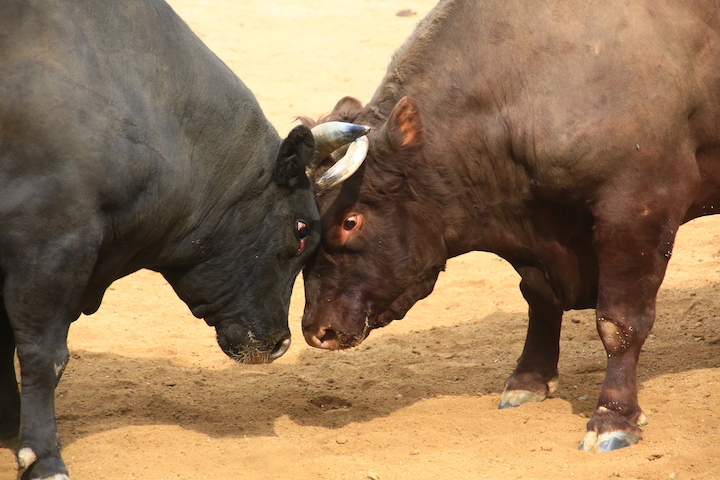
69 98
98 107
576 92
629 87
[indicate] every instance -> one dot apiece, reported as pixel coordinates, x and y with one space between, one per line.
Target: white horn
330 136
346 166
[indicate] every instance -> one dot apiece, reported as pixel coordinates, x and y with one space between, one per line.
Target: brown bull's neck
484 205
465 179
471 170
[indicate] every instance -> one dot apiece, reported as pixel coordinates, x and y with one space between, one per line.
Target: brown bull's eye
351 223
302 231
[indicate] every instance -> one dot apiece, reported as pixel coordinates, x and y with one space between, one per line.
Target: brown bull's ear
404 128
296 153
397 144
347 104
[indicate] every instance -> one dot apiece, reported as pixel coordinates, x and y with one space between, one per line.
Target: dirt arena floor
148 395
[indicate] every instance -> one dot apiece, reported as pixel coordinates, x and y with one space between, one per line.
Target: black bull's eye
302 231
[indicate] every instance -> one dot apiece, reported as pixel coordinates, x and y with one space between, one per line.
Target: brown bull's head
382 244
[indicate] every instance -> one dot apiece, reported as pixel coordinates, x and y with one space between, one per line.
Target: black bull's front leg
40 304
42 364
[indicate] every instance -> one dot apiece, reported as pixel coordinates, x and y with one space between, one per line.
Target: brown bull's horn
346 166
330 136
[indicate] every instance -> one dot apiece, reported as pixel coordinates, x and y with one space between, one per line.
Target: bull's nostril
280 348
328 338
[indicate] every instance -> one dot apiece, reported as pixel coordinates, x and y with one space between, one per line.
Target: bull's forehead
341 198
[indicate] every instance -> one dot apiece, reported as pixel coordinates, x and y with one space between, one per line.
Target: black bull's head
273 232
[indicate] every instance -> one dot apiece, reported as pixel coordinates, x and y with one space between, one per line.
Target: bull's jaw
328 338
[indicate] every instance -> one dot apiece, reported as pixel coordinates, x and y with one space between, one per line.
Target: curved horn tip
364 129
346 166
330 136
335 126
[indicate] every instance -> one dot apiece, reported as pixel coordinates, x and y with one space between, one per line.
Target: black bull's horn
331 136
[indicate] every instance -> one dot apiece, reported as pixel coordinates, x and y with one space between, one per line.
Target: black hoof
48 468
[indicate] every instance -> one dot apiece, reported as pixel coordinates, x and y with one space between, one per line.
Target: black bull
126 144
570 138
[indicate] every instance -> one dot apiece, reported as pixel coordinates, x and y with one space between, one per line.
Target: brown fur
570 138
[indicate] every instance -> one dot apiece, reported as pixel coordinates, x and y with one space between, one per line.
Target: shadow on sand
100 392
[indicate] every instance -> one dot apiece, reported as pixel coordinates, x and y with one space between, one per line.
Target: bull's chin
371 323
250 358
398 308
253 355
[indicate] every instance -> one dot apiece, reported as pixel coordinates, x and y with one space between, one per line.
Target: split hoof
57 476
25 458
515 398
39 469
607 442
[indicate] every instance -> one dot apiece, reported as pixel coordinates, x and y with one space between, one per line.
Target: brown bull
571 138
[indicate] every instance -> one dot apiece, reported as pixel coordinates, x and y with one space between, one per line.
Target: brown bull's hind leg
536 374
633 243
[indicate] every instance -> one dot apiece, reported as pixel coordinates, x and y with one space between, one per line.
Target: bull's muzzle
329 338
243 345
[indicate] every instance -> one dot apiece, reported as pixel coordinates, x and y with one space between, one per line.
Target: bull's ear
296 153
346 105
404 128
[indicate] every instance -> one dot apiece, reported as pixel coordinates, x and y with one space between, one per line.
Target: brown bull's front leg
618 417
536 374
634 243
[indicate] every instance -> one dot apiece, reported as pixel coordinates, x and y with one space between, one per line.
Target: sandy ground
148 395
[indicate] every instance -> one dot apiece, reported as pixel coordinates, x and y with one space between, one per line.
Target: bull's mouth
254 354
245 346
329 339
